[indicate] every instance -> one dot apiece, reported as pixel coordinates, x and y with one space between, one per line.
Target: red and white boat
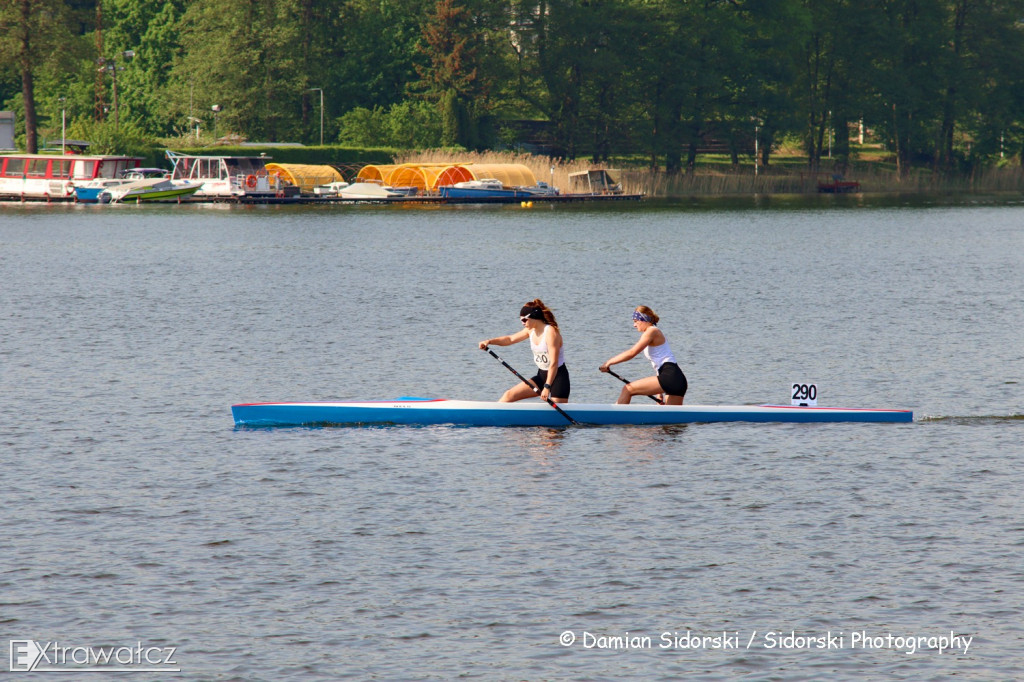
52 177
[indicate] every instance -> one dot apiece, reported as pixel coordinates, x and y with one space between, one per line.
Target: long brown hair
549 317
644 310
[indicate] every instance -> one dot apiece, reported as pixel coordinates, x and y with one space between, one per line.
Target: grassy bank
715 175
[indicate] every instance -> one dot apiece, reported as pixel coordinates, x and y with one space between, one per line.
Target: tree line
938 82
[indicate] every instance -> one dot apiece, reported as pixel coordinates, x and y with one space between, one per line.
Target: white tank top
659 355
539 346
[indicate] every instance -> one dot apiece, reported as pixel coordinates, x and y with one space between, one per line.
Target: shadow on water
816 202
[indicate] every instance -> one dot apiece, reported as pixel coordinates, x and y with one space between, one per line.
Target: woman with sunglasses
670 380
552 378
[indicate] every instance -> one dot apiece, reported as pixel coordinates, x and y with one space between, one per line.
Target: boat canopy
596 181
510 174
372 173
304 176
430 176
452 175
412 175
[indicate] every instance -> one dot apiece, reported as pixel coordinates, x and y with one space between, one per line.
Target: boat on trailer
426 411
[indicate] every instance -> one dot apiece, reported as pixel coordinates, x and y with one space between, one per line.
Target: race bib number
542 360
804 395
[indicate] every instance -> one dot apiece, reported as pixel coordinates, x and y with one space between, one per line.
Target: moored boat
368 190
481 189
837 185
541 189
90 192
331 189
149 190
237 178
54 177
424 411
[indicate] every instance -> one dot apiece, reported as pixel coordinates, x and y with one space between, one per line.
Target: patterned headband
640 317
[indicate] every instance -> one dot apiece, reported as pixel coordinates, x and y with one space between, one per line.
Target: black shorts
672 379
560 388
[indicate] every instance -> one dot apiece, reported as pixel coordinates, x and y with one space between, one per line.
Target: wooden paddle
527 382
625 381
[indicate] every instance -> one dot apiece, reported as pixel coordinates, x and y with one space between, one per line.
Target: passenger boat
53 177
236 178
423 411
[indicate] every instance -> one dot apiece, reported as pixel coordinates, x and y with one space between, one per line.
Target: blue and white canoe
423 411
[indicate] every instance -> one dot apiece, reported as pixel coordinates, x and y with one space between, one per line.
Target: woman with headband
552 378
670 380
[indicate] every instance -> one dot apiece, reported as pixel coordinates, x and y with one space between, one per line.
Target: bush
105 138
407 125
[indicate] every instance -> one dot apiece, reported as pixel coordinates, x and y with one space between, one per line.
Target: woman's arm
646 339
520 335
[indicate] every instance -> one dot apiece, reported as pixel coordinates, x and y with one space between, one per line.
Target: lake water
133 512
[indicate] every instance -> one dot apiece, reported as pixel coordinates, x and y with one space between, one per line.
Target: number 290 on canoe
804 395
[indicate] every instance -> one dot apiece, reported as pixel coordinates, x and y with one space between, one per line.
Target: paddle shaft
527 382
625 381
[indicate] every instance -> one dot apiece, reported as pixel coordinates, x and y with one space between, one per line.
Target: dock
305 199
436 200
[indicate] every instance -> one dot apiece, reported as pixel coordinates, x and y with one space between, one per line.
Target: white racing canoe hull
423 411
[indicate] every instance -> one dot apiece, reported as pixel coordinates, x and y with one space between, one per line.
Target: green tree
31 33
450 76
150 30
460 68
572 59
705 46
979 38
907 90
766 94
378 47
244 58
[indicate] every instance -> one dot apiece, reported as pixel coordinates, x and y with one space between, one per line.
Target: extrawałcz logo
28 655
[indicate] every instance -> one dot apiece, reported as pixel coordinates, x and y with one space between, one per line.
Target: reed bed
711 181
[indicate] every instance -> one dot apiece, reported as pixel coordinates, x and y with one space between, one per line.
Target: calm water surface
133 510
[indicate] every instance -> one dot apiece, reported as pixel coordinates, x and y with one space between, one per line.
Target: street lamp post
757 150
110 64
216 109
321 91
63 124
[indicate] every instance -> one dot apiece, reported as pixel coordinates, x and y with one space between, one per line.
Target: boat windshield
244 165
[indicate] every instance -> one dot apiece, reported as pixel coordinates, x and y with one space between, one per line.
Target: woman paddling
552 378
670 380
